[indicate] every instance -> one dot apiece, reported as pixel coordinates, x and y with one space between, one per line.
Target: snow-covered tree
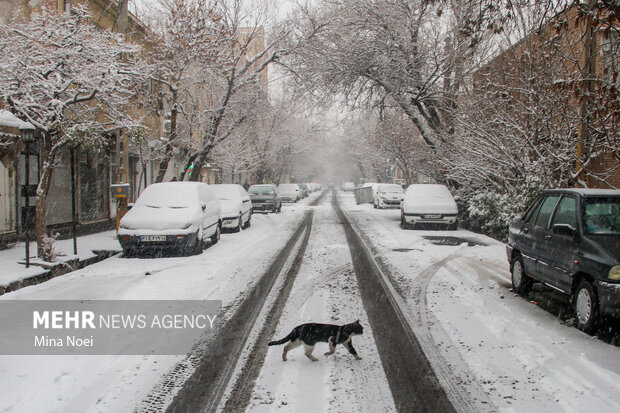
69 79
187 43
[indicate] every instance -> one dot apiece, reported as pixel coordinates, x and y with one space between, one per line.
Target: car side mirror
564 229
203 205
130 205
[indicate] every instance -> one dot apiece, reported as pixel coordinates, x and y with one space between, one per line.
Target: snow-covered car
428 204
265 197
304 190
387 196
290 192
236 206
171 216
569 239
348 186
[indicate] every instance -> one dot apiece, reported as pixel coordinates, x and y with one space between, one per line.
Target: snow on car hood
230 207
143 217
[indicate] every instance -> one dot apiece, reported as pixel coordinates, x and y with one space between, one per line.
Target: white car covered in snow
428 204
236 206
290 192
387 196
171 216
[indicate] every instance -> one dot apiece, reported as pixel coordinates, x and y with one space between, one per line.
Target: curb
58 270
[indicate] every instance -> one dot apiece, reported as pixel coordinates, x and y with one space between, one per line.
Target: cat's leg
289 346
308 352
349 345
332 347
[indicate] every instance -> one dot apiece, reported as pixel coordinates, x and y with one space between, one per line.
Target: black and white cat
311 333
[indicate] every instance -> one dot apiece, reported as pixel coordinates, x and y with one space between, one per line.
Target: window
602 215
532 211
545 211
566 212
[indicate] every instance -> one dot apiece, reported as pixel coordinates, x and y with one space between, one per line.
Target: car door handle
547 236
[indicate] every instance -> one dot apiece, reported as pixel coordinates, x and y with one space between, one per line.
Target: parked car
304 190
387 196
173 216
348 186
569 239
428 204
236 206
290 192
265 198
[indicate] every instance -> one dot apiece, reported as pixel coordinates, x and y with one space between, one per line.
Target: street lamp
27 138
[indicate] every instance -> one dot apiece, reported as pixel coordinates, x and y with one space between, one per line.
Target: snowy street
489 349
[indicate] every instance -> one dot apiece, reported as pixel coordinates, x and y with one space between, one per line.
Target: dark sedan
265 198
569 239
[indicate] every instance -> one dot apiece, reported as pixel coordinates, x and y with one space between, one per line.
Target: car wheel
279 208
521 283
249 221
216 237
199 246
374 205
403 222
586 306
239 224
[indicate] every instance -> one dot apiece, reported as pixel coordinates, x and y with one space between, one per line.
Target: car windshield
288 187
260 190
601 215
169 195
224 192
391 188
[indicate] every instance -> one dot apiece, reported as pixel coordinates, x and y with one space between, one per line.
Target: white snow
10 120
325 291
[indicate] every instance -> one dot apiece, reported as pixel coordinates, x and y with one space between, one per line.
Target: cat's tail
282 341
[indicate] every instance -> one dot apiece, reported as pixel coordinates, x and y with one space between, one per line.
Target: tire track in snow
424 371
199 381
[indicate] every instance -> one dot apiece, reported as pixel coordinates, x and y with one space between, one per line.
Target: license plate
431 216
228 222
152 238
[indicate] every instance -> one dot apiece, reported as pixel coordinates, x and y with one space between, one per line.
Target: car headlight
125 226
187 226
614 273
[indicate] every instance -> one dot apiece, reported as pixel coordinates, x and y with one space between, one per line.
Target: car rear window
601 215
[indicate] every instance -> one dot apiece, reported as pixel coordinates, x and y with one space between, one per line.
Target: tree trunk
163 164
47 169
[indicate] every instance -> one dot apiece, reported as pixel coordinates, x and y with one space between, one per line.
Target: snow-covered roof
591 191
12 121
